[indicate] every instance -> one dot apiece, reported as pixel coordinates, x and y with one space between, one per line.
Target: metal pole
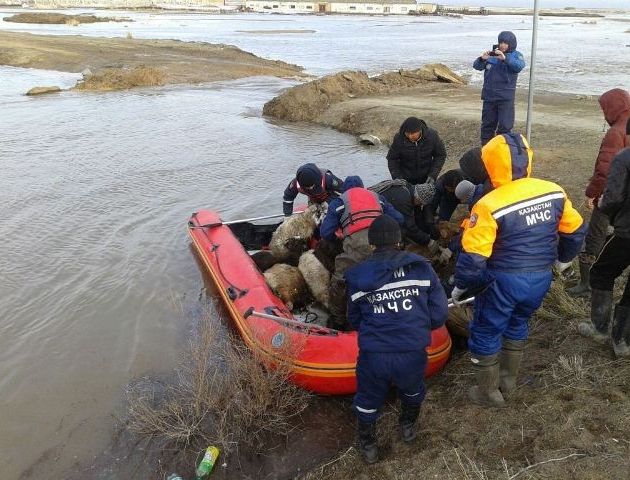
532 68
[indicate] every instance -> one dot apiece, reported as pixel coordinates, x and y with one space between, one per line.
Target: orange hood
507 157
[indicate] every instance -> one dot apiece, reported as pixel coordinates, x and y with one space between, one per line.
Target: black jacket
416 161
616 199
401 198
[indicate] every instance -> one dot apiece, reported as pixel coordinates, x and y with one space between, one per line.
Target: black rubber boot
601 312
408 418
621 332
583 288
486 393
366 439
509 364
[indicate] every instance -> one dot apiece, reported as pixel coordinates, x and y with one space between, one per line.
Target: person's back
394 301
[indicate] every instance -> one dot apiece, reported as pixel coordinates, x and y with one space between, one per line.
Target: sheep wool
288 284
316 276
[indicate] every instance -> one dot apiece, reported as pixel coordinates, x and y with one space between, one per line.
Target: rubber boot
621 332
509 363
408 419
338 304
601 312
486 393
583 288
366 439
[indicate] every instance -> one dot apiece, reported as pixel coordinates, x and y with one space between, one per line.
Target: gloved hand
445 255
434 247
457 295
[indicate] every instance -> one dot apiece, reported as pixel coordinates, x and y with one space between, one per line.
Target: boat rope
233 291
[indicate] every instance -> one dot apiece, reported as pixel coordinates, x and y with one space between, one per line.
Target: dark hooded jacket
416 161
499 76
616 198
615 104
400 194
395 299
332 186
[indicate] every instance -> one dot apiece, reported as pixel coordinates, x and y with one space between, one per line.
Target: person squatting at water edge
515 234
612 261
410 200
500 67
317 184
615 105
353 212
417 153
395 299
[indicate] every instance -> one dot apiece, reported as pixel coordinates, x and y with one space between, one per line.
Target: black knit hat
384 231
309 176
473 167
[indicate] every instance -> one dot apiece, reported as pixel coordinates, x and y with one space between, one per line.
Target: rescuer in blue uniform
317 184
500 67
513 237
350 215
395 299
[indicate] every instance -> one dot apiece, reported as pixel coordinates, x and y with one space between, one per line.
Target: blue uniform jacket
523 225
332 220
395 299
499 77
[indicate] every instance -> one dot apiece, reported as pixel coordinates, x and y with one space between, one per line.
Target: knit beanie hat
309 175
423 192
464 191
384 231
473 167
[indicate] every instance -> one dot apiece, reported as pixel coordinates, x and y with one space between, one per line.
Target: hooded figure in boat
317 184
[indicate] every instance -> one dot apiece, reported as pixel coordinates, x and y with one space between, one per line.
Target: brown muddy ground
569 418
177 61
60 18
566 129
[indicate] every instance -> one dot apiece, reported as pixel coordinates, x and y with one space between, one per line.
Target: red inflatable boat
322 360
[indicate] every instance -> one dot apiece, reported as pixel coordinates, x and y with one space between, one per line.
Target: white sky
542 3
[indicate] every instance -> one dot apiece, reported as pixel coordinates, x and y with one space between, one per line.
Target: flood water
96 189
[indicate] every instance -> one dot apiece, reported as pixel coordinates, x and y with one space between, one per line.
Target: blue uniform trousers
376 372
496 118
505 308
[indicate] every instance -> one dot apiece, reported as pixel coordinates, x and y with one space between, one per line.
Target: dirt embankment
60 19
568 419
566 129
168 61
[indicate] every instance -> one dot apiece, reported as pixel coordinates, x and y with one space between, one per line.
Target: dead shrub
123 79
222 395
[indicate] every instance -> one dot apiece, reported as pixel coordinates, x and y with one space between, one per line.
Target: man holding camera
501 67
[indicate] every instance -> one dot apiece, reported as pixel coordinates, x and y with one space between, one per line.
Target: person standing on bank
417 153
317 184
612 261
500 67
615 105
513 237
395 299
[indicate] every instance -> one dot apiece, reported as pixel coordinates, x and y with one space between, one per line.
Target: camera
491 52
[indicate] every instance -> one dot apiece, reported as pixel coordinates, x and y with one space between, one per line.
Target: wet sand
179 62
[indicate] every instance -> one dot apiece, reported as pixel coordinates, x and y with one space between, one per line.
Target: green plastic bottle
207 462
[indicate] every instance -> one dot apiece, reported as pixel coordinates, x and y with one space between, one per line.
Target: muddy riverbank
177 62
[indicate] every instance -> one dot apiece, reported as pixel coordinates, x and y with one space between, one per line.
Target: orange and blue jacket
523 225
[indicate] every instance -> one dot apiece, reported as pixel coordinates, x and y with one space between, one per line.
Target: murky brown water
95 193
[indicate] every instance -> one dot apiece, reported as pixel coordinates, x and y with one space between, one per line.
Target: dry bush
123 79
221 395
